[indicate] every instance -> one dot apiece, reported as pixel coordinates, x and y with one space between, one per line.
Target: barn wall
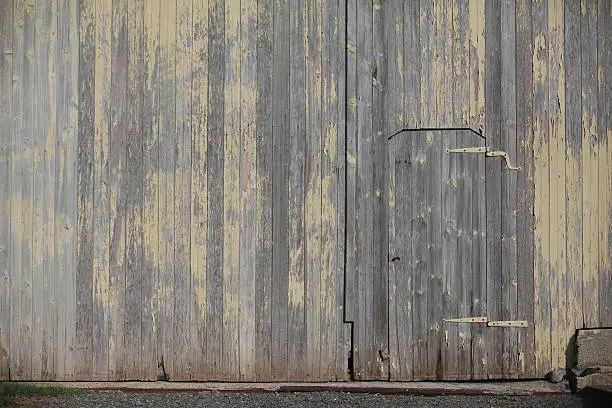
172 190
172 181
535 78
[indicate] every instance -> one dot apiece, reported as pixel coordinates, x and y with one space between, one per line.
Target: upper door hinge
490 323
487 152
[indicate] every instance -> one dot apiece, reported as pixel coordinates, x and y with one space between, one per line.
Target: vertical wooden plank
296 328
379 285
344 331
44 310
313 153
248 187
263 228
21 188
494 185
388 84
150 181
199 192
525 186
231 189
477 22
101 188
134 200
182 191
330 307
350 280
118 190
573 173
541 176
466 169
6 162
590 233
508 143
604 133
556 118
215 154
167 140
412 64
280 179
66 229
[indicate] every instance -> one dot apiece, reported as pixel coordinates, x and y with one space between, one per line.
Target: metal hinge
493 323
487 152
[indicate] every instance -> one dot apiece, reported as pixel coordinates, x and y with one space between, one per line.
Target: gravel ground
294 400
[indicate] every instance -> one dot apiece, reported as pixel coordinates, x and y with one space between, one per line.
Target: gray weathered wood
215 153
182 190
263 234
508 143
135 199
6 99
118 190
525 184
280 173
150 180
494 184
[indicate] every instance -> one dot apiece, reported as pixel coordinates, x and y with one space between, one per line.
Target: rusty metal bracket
487 152
479 319
508 323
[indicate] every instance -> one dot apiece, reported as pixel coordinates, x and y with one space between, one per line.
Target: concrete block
594 348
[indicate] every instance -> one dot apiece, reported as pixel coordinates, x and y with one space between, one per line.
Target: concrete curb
419 388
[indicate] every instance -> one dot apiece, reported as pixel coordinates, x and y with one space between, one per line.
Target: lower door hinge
490 323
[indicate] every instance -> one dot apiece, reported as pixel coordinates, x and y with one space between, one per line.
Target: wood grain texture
134 184
150 182
101 180
182 190
248 188
264 214
508 143
541 180
6 99
198 346
525 185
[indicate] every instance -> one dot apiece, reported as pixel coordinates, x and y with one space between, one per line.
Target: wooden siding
198 190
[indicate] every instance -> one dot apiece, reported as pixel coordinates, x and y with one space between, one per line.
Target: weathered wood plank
296 327
590 233
231 193
6 163
21 189
379 285
477 21
604 133
508 143
494 185
525 185
182 191
389 90
215 154
134 200
117 190
556 119
344 330
66 228
329 286
199 192
248 188
167 140
412 64
150 179
541 176
45 179
263 232
313 233
101 188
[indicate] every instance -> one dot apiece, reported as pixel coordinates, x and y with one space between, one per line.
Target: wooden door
437 256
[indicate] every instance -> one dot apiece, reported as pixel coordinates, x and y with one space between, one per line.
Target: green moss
10 390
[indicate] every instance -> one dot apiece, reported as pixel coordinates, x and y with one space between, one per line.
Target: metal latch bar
487 152
479 319
508 323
